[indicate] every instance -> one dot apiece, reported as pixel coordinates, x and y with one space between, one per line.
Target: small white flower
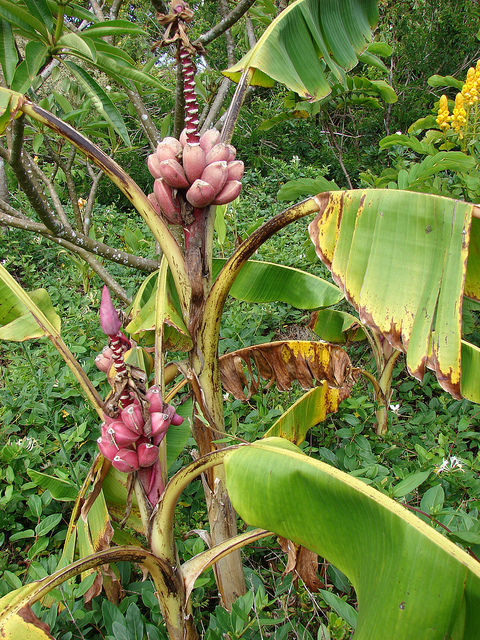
295 160
394 408
450 464
27 443
398 133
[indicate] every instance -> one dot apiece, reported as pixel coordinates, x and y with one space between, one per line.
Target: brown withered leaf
283 362
303 563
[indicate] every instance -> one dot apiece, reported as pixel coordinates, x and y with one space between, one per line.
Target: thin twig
242 7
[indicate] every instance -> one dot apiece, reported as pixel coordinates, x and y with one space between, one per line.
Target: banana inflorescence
200 173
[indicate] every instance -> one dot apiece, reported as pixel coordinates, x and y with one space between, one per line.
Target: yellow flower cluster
464 101
459 117
443 118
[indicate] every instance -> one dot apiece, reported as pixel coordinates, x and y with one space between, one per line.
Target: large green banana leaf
410 581
308 42
260 281
405 261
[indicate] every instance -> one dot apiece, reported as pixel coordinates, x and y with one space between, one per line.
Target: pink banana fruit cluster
202 173
131 441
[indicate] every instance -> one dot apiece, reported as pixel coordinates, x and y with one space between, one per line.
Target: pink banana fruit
229 192
107 449
209 139
154 397
169 207
121 435
133 418
200 194
147 454
168 148
218 152
193 161
153 164
235 170
216 174
183 138
173 174
232 152
126 460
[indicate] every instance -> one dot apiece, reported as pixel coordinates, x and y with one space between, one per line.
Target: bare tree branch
114 9
97 10
10 217
87 214
104 275
252 40
78 240
35 197
146 123
223 6
242 7
34 170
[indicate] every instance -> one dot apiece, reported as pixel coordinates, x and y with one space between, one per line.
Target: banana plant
192 176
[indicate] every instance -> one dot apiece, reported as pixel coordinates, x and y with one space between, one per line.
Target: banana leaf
405 260
410 581
310 45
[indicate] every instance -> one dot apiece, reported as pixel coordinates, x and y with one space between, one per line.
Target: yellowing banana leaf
401 259
336 326
309 45
176 337
283 362
410 581
17 621
20 621
307 411
17 322
269 282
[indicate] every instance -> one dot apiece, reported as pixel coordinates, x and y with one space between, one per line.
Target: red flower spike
109 320
191 105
